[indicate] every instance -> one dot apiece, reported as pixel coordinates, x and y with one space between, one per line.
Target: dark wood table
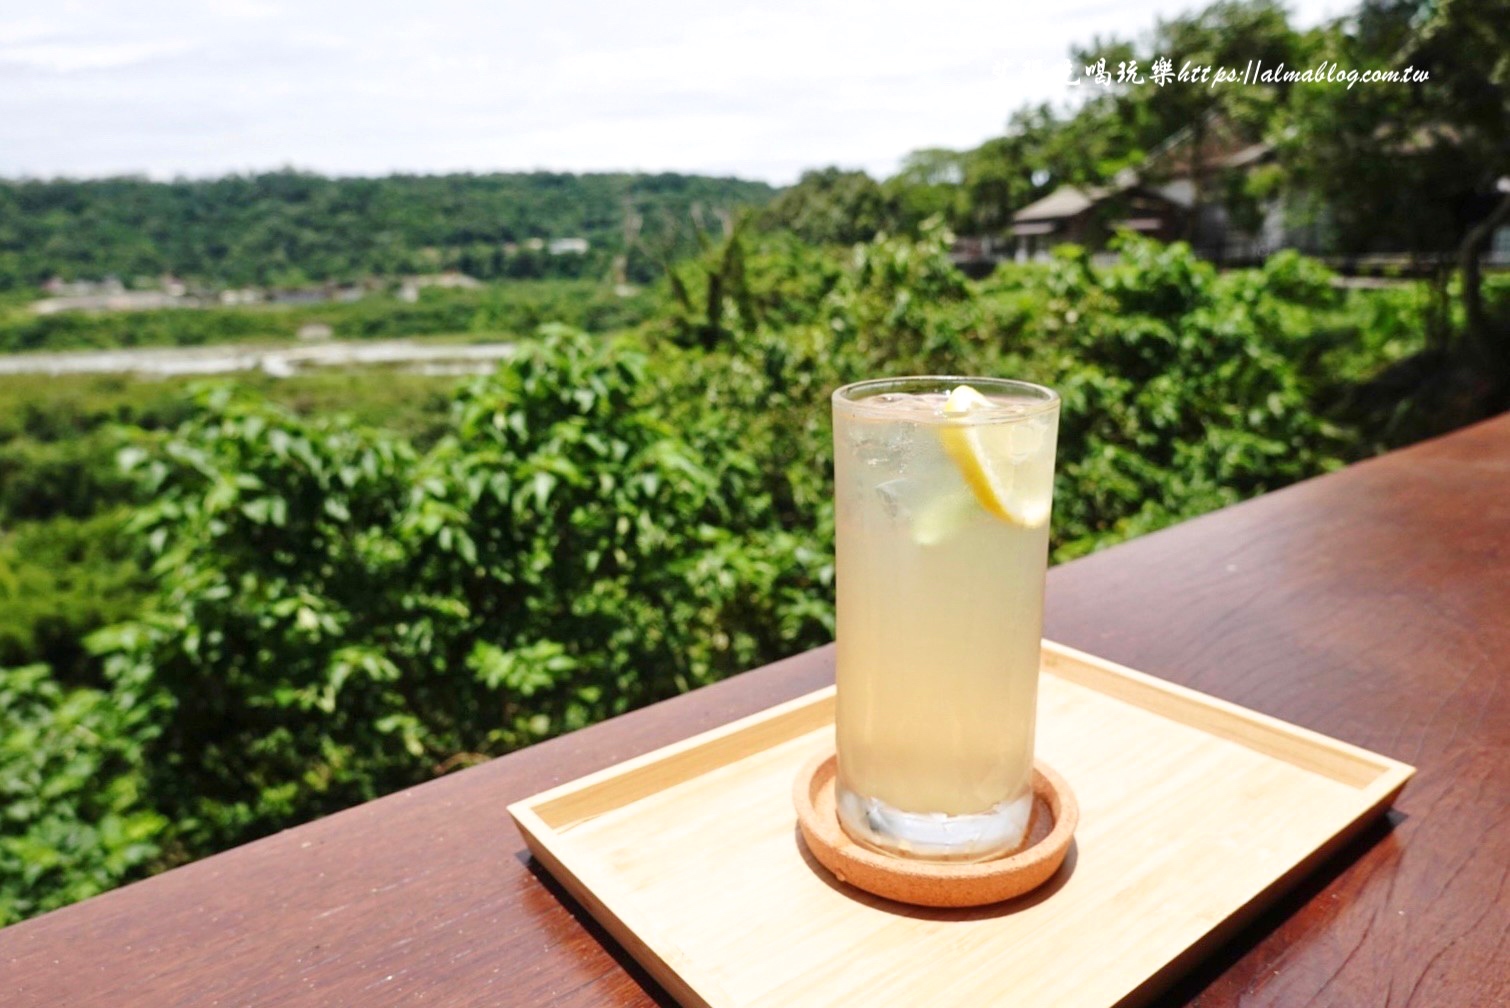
1371 604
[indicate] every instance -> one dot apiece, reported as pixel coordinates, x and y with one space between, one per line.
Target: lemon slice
988 457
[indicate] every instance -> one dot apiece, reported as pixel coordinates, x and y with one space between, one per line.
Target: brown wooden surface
1372 605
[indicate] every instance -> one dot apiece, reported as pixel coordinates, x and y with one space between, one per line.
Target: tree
1465 45
1142 117
927 186
832 207
1419 165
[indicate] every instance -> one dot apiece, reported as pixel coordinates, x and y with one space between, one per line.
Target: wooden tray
1194 812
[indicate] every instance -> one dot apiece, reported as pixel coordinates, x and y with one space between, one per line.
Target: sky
168 88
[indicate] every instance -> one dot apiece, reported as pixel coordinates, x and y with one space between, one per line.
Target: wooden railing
1369 604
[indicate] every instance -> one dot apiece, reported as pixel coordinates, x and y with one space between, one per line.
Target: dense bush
1184 389
340 615
66 565
66 477
60 580
74 816
49 408
76 330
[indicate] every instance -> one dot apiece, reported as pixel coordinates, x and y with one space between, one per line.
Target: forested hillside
291 228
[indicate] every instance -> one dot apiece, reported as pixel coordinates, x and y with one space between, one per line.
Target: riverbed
280 361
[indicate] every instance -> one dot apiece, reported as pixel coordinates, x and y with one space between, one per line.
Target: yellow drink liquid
942 544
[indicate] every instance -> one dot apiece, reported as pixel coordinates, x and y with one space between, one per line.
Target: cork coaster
936 883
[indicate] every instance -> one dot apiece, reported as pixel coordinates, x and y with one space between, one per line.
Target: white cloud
27 29
72 57
251 10
172 86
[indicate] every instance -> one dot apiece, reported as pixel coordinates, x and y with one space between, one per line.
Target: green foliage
47 421
43 479
1183 389
60 580
74 816
67 566
903 302
71 330
747 282
79 812
271 541
52 408
339 615
515 308
832 207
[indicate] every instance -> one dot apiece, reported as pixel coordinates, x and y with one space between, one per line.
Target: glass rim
1041 398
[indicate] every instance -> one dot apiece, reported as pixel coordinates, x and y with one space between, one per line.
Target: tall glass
943 488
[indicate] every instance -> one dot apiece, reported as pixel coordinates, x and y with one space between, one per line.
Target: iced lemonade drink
943 489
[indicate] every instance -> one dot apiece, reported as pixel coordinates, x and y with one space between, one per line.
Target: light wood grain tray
1194 812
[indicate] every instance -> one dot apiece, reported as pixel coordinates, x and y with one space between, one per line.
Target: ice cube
1023 439
894 494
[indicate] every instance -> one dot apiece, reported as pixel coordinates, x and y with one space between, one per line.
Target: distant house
1209 171
110 295
1203 185
57 287
300 296
567 246
125 301
1088 215
410 287
1183 190
1205 170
